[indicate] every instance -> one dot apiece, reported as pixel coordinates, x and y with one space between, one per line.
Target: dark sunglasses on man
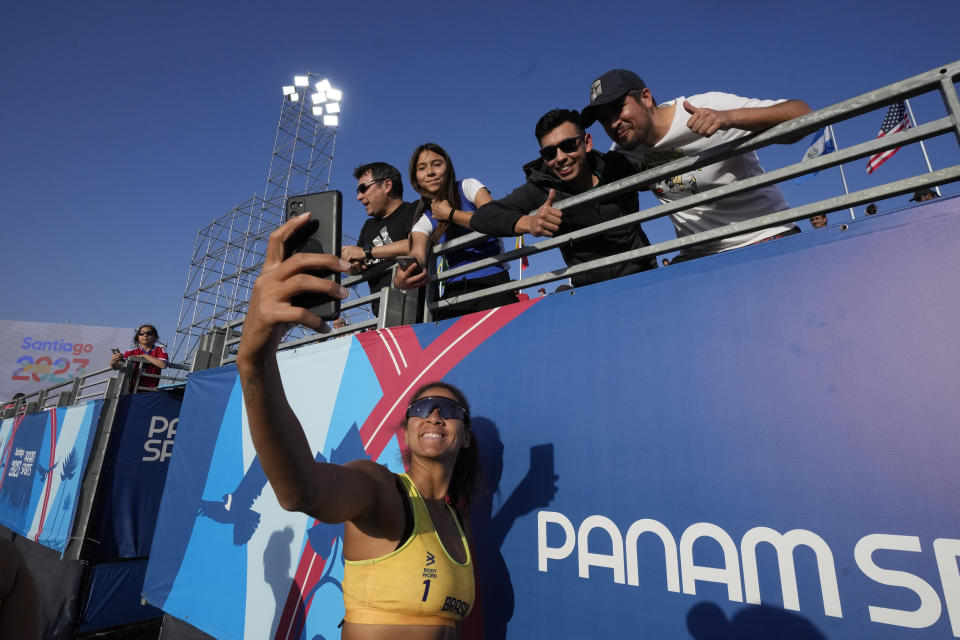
449 409
362 188
147 333
569 145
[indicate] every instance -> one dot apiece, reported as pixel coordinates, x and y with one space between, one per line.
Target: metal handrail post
79 545
75 389
949 94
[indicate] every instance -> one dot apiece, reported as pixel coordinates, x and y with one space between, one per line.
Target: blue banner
758 444
113 597
43 457
134 473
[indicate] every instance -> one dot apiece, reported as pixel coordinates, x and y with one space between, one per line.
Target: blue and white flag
821 144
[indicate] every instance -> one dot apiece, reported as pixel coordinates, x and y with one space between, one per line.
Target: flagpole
922 146
843 176
518 244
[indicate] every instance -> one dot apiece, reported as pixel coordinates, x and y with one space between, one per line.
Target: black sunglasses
449 409
567 146
147 333
362 188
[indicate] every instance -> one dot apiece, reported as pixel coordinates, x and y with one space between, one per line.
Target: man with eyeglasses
568 166
652 135
380 191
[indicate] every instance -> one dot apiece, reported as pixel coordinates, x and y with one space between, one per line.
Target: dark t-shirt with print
377 233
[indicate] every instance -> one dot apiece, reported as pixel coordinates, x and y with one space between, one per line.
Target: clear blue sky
125 127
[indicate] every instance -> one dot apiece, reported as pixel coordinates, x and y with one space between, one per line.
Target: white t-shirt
425 224
680 141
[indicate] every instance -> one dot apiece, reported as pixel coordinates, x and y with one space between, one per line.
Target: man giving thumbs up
653 134
568 166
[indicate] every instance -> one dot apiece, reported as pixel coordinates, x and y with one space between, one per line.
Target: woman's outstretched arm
328 492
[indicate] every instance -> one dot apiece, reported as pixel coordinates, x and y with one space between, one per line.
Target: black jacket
500 216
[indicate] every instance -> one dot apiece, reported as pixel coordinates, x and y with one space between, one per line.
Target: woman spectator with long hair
443 213
150 352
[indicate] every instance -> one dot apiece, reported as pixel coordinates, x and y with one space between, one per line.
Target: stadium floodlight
325 101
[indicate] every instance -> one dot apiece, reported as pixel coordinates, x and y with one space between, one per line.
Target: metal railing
941 79
103 383
397 307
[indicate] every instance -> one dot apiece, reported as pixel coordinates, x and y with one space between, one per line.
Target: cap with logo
609 87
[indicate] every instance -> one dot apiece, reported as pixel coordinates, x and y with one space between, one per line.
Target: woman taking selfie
391 522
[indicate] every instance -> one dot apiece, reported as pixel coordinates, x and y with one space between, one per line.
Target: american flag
895 121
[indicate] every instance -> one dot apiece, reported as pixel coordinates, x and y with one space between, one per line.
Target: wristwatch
368 253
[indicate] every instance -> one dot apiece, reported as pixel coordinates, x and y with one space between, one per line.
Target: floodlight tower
229 252
303 150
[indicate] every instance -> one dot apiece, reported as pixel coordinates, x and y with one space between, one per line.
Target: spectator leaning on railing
444 211
13 401
147 350
380 191
654 135
567 166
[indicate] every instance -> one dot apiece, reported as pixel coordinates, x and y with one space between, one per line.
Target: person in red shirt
148 351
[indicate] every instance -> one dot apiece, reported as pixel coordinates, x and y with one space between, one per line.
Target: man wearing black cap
654 134
568 166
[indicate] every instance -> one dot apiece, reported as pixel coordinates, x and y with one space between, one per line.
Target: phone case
320 235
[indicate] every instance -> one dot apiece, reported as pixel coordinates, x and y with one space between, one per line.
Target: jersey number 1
426 590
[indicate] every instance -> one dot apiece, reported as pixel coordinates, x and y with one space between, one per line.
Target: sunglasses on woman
449 409
569 145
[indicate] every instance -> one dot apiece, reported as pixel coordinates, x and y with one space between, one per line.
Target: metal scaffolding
228 252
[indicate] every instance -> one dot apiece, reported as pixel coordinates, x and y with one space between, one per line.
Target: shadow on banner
761 443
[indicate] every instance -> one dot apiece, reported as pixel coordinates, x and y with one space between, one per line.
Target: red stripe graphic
309 572
423 365
53 455
400 364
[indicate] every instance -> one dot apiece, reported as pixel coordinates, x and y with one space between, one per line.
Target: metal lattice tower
229 252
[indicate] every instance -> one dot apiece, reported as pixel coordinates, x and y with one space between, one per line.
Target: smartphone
541 460
405 261
115 351
320 235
